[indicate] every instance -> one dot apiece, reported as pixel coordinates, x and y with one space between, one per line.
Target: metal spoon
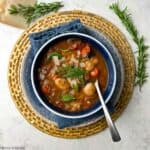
113 130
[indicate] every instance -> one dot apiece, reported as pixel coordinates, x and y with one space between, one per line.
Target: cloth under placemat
37 40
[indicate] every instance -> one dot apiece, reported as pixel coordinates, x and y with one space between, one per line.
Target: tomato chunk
85 50
94 72
45 89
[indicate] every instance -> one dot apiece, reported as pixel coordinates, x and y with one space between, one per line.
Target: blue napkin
37 40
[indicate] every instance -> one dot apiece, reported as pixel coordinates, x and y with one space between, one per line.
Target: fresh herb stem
31 13
67 97
50 56
126 19
71 72
76 87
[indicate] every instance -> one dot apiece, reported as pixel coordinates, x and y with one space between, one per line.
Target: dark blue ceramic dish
111 84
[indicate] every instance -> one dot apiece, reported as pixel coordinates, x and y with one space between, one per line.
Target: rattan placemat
21 47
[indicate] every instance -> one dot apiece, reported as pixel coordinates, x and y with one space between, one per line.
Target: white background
133 124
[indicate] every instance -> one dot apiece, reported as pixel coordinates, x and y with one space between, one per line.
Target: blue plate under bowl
111 83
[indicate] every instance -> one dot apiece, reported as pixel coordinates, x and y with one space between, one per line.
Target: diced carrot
94 72
54 77
85 50
45 89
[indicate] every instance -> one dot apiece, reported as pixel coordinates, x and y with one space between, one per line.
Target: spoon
113 130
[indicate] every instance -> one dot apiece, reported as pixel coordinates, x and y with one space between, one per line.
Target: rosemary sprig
31 13
126 19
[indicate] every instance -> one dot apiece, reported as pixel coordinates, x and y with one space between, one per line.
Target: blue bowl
111 83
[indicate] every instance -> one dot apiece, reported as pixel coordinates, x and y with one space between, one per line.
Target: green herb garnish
76 87
82 81
67 97
74 72
63 70
51 55
125 17
31 13
65 50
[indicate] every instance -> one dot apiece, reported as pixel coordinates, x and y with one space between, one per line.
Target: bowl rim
32 75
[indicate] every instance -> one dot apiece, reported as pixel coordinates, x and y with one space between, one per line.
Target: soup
67 72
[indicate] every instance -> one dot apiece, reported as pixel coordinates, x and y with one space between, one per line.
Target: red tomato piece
45 89
85 50
94 72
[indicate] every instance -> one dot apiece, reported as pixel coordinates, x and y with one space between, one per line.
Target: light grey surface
133 124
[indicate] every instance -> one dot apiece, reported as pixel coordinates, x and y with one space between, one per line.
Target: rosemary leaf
126 19
30 13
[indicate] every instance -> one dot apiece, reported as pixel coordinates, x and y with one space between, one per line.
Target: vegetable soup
67 72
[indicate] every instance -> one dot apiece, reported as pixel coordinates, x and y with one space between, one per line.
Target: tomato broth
67 72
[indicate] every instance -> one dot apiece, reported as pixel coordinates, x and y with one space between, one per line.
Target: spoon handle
113 130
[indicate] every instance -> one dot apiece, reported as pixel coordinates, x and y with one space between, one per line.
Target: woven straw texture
21 47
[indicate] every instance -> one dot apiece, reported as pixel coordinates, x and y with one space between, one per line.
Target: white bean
41 76
89 89
62 83
89 65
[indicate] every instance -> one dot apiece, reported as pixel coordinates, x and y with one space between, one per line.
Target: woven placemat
21 47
